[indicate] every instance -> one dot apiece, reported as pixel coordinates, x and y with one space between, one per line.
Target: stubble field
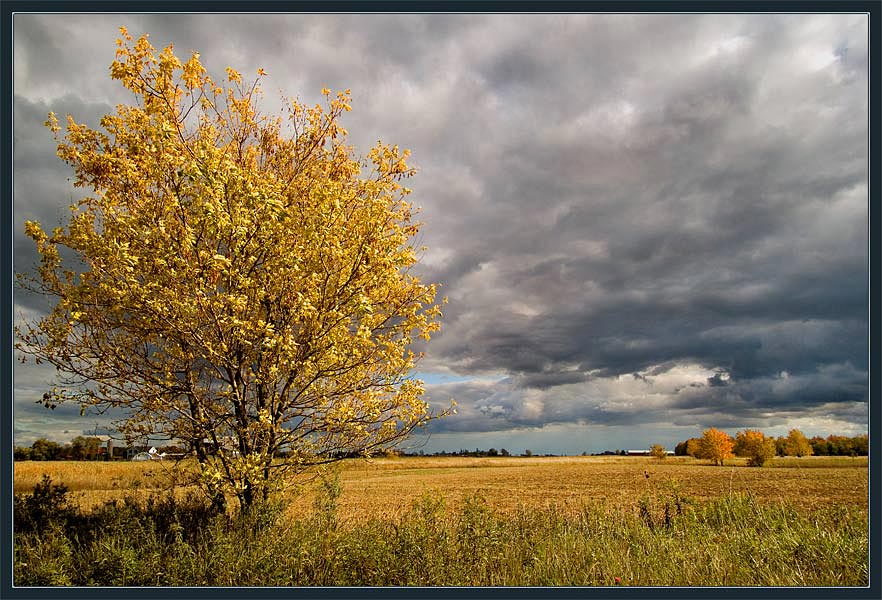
384 487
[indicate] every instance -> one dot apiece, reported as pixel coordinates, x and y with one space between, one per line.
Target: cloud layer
644 221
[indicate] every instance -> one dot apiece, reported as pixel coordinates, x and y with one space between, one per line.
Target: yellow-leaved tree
240 283
715 445
796 444
658 451
753 444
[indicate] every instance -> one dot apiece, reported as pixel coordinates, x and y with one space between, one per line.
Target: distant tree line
839 445
79 448
716 445
477 452
90 448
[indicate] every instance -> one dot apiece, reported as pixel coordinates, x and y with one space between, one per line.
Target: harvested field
389 486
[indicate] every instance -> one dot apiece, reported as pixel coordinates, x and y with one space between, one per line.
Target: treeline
480 452
839 445
477 452
717 445
92 448
79 448
796 444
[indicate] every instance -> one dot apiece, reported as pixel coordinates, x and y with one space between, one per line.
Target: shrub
658 451
46 506
758 448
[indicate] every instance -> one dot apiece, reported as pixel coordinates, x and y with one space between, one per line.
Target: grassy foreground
451 536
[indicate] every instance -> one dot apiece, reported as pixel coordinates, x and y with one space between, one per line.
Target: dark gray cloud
41 182
653 221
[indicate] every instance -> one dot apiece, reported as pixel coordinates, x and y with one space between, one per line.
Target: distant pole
109 449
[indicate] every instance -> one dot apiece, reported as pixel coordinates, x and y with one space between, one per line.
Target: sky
646 224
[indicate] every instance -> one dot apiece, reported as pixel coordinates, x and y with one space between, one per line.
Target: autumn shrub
753 444
796 444
658 451
46 506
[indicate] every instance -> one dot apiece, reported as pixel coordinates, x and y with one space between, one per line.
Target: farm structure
646 452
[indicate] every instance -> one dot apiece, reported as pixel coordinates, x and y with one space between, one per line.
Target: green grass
665 538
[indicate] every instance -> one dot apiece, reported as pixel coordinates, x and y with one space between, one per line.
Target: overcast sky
646 225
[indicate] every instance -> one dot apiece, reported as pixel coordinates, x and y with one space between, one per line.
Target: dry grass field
387 487
456 521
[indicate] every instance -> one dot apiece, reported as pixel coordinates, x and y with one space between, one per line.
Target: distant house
151 454
645 452
133 451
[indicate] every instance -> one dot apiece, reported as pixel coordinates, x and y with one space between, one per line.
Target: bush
658 451
45 507
758 448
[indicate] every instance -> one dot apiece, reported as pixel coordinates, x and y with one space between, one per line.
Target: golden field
386 487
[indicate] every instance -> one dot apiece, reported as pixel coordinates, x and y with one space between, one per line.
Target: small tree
754 445
658 451
240 283
693 447
21 453
84 448
839 445
796 444
860 445
43 449
781 445
715 446
819 446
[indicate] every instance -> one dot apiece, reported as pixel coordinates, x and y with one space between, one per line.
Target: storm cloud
652 223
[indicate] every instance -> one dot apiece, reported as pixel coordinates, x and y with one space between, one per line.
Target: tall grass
664 539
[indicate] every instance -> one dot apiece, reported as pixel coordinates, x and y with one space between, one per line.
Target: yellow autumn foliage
716 446
241 282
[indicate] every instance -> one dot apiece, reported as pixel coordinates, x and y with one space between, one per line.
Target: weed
46 506
664 537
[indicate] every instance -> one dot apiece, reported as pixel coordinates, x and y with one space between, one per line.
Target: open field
455 521
568 482
386 487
